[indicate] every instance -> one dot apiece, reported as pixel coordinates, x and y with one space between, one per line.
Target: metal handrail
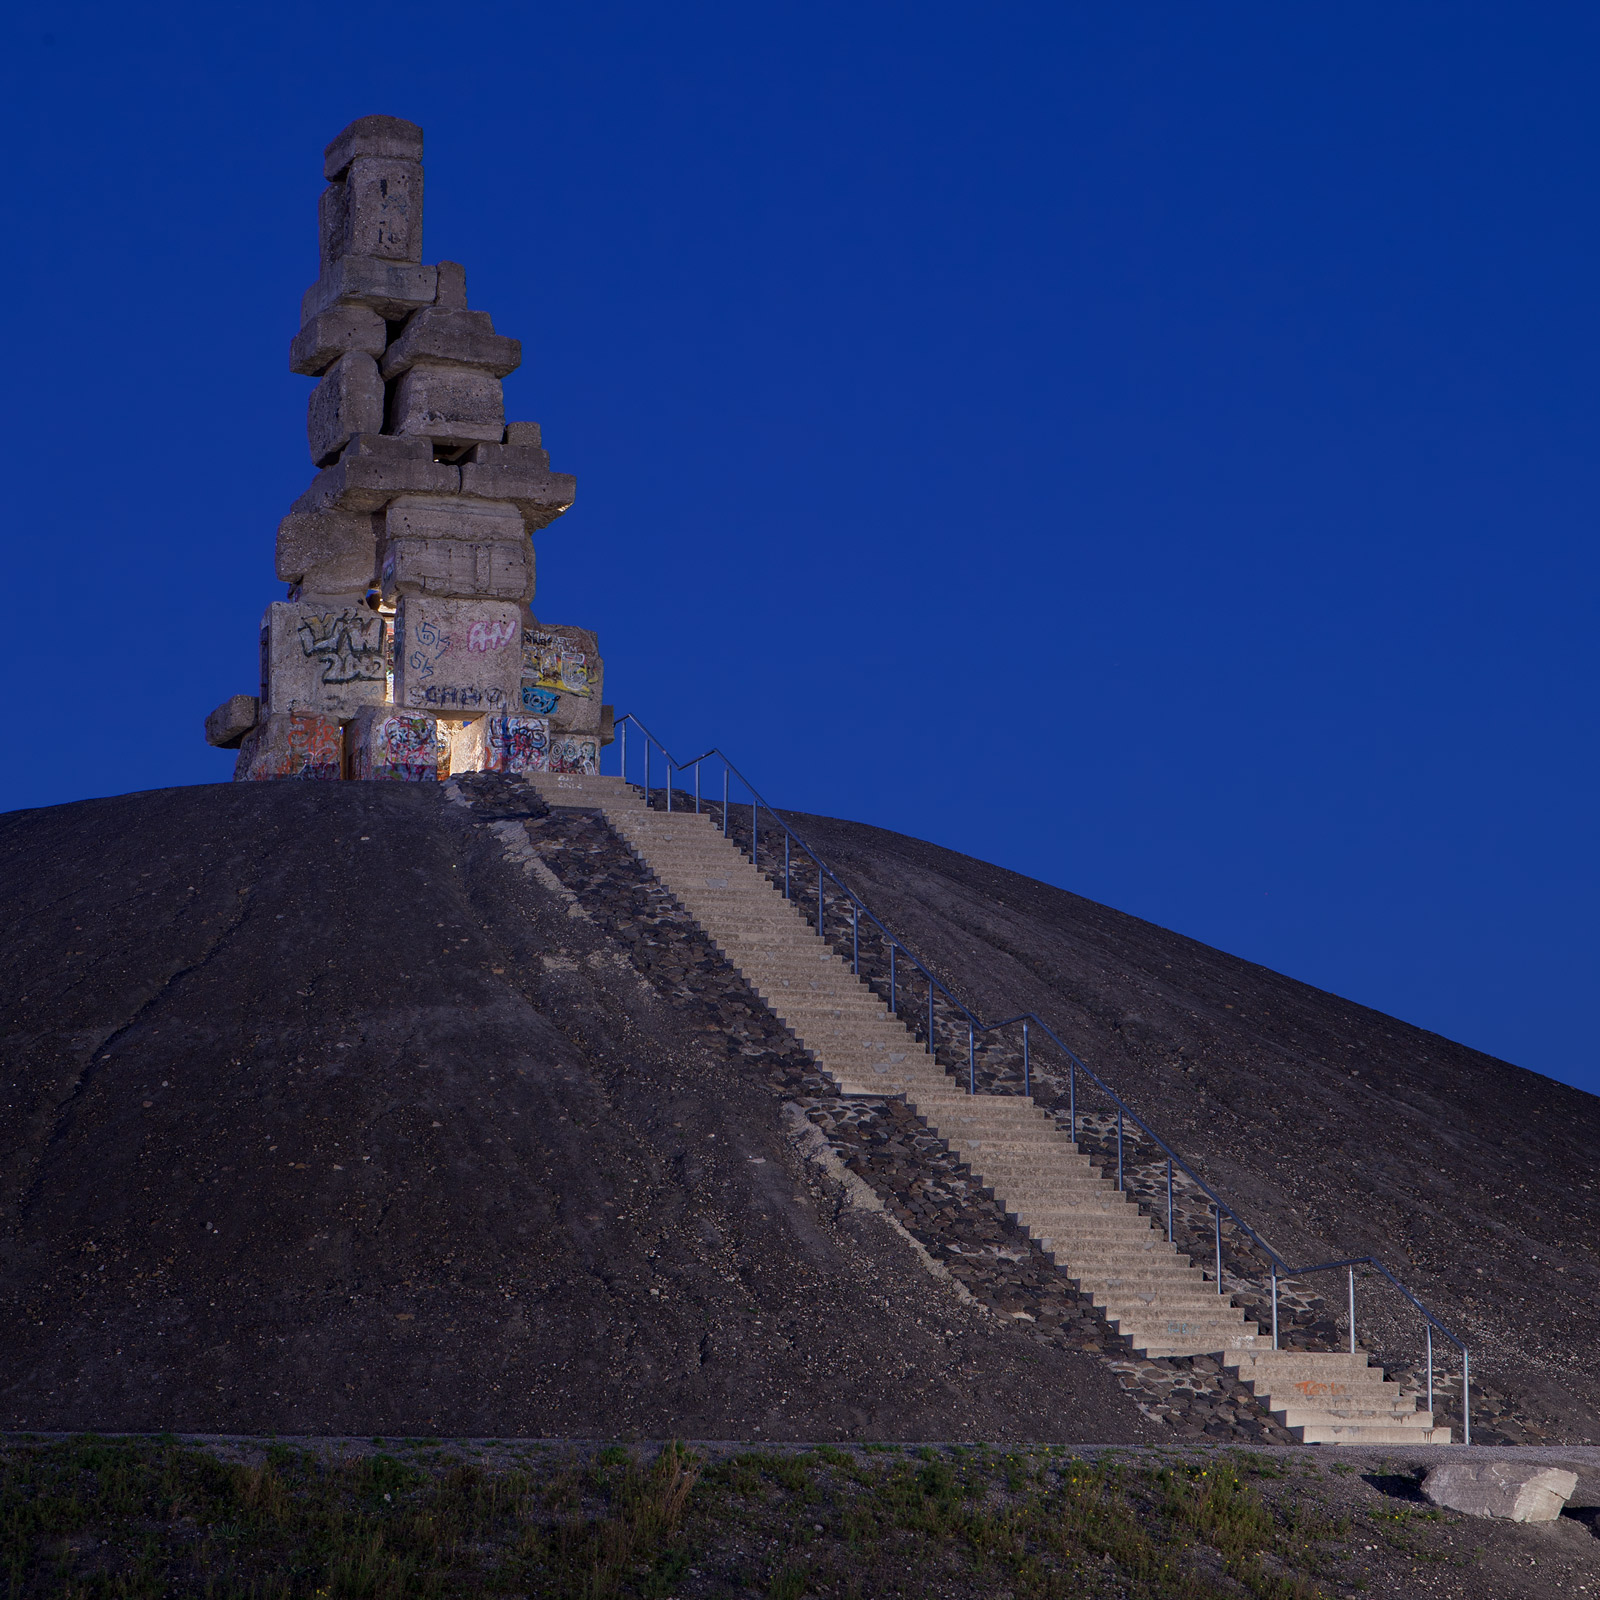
1280 1269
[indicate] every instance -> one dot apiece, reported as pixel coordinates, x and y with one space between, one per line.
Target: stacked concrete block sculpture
409 560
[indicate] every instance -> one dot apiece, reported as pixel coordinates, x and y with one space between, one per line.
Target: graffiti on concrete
575 753
349 644
450 697
554 660
539 701
516 744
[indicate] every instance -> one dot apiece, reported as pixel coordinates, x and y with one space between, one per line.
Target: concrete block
455 338
541 496
330 226
392 138
453 569
375 210
562 677
452 294
373 470
608 724
454 517
329 552
523 457
291 744
523 435
232 720
454 547
510 744
348 401
450 405
1518 1491
385 744
328 661
574 752
456 657
394 289
335 333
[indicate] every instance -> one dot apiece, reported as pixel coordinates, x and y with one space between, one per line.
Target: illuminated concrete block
562 677
456 657
291 744
574 752
397 746
328 660
510 744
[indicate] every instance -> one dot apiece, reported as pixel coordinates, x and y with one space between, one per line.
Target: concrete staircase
1154 1297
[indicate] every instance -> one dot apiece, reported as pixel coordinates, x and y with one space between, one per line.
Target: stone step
1402 1414
1362 1433
1162 1297
1293 1365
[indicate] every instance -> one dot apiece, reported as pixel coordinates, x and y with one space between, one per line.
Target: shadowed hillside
319 1117
322 1116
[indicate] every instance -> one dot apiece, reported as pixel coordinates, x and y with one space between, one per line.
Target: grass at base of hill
140 1517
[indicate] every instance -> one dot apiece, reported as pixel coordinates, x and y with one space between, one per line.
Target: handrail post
1119 1148
930 1020
1428 1327
1072 1100
1352 1311
755 858
697 788
623 752
1274 1308
892 1006
647 774
1466 1398
855 938
1169 1199
972 1062
668 759
724 799
821 902
785 863
1027 1082
1216 1211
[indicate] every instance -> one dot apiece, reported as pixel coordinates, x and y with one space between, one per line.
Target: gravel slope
318 1117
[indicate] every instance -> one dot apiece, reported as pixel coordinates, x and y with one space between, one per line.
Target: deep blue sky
1150 447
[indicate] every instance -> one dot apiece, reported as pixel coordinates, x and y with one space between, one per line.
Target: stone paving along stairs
1153 1295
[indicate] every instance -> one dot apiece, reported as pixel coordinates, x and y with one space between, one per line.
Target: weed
124 1519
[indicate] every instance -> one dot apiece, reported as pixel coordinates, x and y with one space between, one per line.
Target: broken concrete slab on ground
418 526
1515 1491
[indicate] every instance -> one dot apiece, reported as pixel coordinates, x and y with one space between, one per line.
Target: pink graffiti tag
483 636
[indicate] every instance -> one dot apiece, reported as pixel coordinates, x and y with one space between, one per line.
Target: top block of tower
387 138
